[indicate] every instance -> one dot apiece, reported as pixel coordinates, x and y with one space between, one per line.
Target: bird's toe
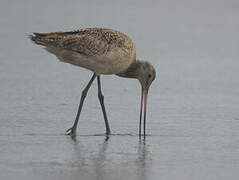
71 132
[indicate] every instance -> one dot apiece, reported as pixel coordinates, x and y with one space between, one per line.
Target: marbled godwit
103 51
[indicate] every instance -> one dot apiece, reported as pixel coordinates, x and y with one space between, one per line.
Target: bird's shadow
99 160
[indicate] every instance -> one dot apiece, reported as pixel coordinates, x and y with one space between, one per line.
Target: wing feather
88 42
103 51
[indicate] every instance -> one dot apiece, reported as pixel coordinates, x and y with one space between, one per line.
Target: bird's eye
149 75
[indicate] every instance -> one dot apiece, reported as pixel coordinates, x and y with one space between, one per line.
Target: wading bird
103 51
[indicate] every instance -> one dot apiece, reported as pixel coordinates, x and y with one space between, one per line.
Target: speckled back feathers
89 41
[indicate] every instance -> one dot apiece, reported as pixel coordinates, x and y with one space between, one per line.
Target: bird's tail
38 38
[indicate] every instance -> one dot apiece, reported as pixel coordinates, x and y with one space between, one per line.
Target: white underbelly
113 63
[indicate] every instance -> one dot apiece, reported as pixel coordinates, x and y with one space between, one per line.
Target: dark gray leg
101 98
72 130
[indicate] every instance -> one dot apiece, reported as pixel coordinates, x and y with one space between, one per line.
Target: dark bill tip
144 95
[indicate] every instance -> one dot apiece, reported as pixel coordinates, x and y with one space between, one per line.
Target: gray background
193 117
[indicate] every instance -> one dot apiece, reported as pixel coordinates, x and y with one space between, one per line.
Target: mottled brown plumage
103 51
89 41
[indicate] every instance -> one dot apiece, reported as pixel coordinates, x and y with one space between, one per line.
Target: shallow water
193 118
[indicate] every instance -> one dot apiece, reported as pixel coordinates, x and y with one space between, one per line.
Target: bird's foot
71 131
107 133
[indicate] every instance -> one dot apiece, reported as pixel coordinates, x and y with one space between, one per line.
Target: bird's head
146 75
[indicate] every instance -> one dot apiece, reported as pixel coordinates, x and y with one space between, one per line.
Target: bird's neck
132 71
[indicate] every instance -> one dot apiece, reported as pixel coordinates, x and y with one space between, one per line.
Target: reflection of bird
103 51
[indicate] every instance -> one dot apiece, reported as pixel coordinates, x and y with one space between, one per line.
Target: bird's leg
72 130
101 98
